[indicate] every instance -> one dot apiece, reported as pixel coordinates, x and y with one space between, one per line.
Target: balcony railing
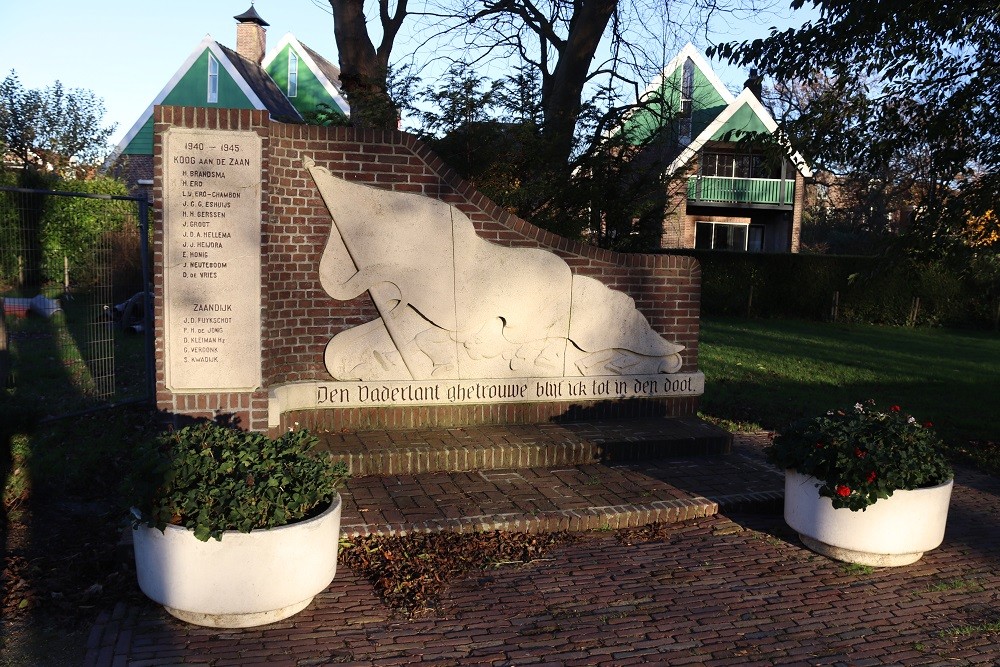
720 189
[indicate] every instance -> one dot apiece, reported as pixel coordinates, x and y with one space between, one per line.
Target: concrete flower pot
893 531
243 580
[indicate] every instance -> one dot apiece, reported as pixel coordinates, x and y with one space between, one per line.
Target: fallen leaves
411 572
60 566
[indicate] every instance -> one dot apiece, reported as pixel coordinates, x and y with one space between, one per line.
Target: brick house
726 189
288 82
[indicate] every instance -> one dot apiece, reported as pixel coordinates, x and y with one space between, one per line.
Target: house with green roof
727 187
307 78
216 76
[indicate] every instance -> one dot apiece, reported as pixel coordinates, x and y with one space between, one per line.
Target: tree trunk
362 69
32 207
561 96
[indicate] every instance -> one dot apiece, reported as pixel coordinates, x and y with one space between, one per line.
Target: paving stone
732 588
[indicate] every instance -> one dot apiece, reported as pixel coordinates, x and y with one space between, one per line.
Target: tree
50 133
461 99
581 49
364 68
932 73
926 119
869 182
558 41
51 130
490 133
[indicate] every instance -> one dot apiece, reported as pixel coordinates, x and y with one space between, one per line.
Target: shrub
77 228
861 454
213 478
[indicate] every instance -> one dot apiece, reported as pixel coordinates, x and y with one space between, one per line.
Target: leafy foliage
212 478
861 454
492 134
902 98
52 128
938 57
73 227
325 115
905 291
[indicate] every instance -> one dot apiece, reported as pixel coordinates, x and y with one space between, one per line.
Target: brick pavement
564 497
734 588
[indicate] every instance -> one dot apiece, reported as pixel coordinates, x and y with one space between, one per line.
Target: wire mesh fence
74 298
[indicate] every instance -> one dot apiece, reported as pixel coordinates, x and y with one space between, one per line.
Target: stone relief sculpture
453 305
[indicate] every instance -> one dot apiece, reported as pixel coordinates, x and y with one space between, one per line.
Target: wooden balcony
723 191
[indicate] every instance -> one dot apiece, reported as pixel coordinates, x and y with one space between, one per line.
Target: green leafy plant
212 478
861 454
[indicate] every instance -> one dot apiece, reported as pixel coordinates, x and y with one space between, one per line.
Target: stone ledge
575 520
411 452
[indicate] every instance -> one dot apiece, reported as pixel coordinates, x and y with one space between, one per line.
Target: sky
125 51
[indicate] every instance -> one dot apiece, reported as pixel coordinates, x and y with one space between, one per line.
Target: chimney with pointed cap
251 36
755 82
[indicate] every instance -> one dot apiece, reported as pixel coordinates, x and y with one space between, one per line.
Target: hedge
856 289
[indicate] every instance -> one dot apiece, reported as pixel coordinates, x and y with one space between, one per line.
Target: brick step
411 452
590 496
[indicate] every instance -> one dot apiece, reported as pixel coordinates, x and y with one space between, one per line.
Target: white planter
893 531
246 579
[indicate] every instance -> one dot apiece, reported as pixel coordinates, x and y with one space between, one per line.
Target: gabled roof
689 51
659 104
326 72
745 115
251 79
263 85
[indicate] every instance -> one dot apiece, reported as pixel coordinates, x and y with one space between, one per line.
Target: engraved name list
211 223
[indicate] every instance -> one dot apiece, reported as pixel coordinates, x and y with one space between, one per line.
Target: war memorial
346 280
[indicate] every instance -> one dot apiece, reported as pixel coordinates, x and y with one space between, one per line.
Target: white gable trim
746 97
689 51
257 103
211 45
291 41
286 39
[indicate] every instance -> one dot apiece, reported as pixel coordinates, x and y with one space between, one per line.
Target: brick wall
299 318
800 203
678 226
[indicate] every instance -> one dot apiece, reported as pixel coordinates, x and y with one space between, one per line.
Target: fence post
147 302
911 321
835 308
4 354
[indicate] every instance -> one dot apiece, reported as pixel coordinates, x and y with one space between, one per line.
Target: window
739 236
293 74
734 165
687 88
213 79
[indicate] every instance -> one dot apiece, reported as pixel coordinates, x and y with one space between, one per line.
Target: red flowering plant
861 454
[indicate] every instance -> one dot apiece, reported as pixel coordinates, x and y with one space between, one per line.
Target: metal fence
76 324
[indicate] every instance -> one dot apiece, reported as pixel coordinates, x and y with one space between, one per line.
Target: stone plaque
323 395
211 251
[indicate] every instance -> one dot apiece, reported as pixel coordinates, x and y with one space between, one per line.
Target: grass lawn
765 373
68 362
